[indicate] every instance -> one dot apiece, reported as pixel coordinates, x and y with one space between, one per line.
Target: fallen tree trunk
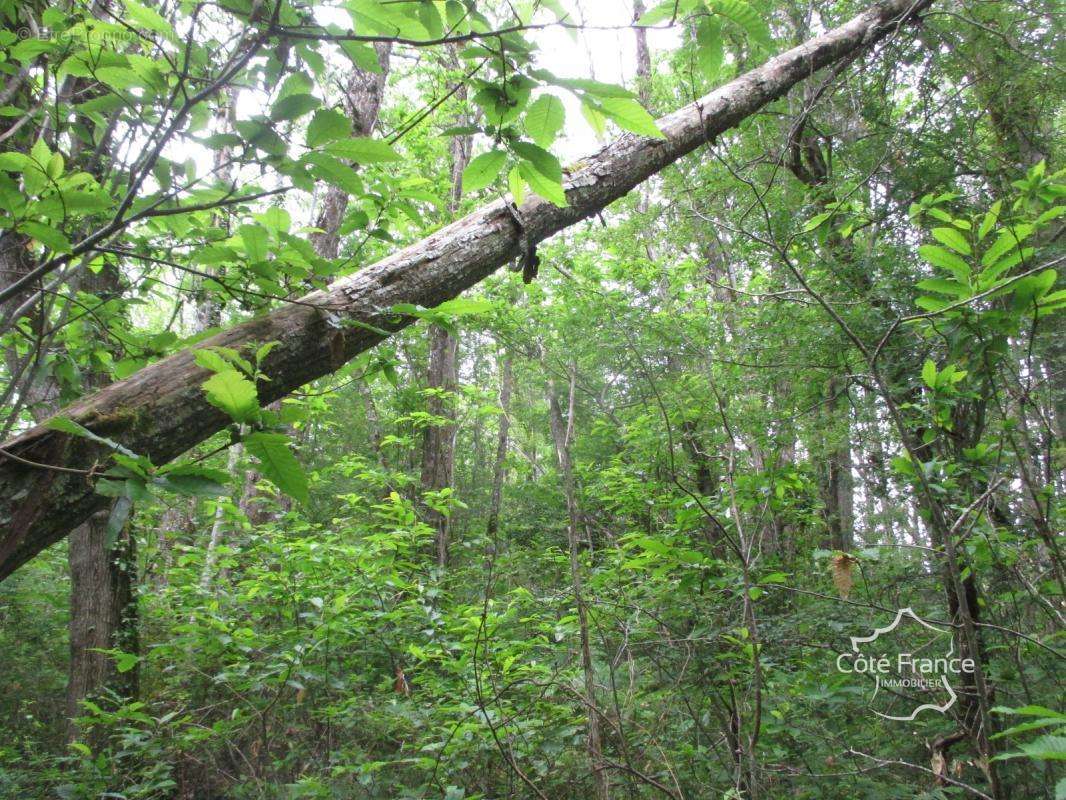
161 410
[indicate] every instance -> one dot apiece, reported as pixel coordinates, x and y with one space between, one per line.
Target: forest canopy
532 399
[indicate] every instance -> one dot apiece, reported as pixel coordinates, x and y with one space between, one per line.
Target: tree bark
103 613
438 441
103 585
362 102
161 410
438 446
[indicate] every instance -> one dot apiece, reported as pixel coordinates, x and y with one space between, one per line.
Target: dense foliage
806 377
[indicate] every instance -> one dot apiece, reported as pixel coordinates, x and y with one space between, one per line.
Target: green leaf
1030 711
14 162
989 220
363 150
196 470
34 175
120 512
710 50
953 239
233 393
943 286
256 242
1031 725
591 87
276 218
261 136
482 171
1034 287
543 161
193 485
1005 242
293 106
144 17
362 55
631 116
668 10
46 235
118 77
548 189
1006 263
741 14
816 221
939 257
327 125
464 306
211 359
596 120
278 463
775 577
65 425
929 374
388 19
334 171
516 186
54 168
545 119
1049 747
124 662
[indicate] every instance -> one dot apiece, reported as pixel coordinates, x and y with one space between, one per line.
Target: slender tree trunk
209 315
643 57
809 166
499 473
217 525
438 446
561 432
208 311
840 485
161 411
362 102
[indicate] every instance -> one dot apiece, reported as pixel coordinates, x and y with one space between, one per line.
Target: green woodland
555 399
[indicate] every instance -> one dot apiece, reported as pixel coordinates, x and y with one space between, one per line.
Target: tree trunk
362 102
103 613
643 57
218 519
103 579
500 470
103 585
438 445
161 411
840 488
561 431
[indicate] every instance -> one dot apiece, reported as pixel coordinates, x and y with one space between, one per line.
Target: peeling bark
161 410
